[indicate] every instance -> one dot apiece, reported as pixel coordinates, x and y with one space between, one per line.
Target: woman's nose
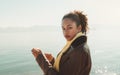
66 31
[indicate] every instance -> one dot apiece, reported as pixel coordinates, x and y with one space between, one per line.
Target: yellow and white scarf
65 48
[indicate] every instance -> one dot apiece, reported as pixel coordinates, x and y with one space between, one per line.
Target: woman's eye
70 27
63 28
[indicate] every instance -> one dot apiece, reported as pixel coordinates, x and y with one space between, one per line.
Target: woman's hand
36 52
49 57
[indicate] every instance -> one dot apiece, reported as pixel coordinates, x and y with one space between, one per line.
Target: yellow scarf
65 48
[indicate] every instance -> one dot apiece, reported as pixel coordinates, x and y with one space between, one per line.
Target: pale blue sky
50 12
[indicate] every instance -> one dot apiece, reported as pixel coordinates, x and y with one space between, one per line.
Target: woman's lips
67 36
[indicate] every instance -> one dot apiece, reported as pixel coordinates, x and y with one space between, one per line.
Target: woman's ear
79 28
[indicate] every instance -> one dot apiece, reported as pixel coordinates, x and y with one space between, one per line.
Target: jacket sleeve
45 65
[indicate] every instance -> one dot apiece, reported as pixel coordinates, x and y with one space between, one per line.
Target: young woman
74 58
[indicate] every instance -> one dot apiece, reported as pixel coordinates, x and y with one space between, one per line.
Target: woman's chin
68 39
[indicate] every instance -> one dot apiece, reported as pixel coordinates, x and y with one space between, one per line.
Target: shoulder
79 41
80 44
83 48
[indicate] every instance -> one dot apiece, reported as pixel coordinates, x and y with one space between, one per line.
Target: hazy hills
30 29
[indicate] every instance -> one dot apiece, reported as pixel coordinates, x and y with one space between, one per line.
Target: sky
15 13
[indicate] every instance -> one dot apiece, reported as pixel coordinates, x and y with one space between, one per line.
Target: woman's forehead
67 22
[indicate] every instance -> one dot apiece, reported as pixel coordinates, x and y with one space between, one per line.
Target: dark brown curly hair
79 18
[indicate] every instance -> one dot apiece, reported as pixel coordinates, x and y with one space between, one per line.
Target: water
16 45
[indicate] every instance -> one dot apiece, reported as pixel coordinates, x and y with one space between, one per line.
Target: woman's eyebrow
69 25
66 25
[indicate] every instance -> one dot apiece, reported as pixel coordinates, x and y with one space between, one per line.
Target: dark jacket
76 61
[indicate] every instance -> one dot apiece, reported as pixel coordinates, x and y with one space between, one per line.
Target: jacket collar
80 40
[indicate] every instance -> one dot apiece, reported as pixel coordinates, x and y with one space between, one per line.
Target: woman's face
70 28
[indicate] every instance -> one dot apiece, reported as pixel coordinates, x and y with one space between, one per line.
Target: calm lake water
16 45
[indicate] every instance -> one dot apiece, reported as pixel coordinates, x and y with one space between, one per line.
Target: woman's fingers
49 56
35 54
46 54
36 51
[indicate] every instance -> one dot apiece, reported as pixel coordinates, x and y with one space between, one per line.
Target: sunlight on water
103 71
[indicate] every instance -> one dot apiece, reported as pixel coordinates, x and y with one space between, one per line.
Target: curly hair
79 18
